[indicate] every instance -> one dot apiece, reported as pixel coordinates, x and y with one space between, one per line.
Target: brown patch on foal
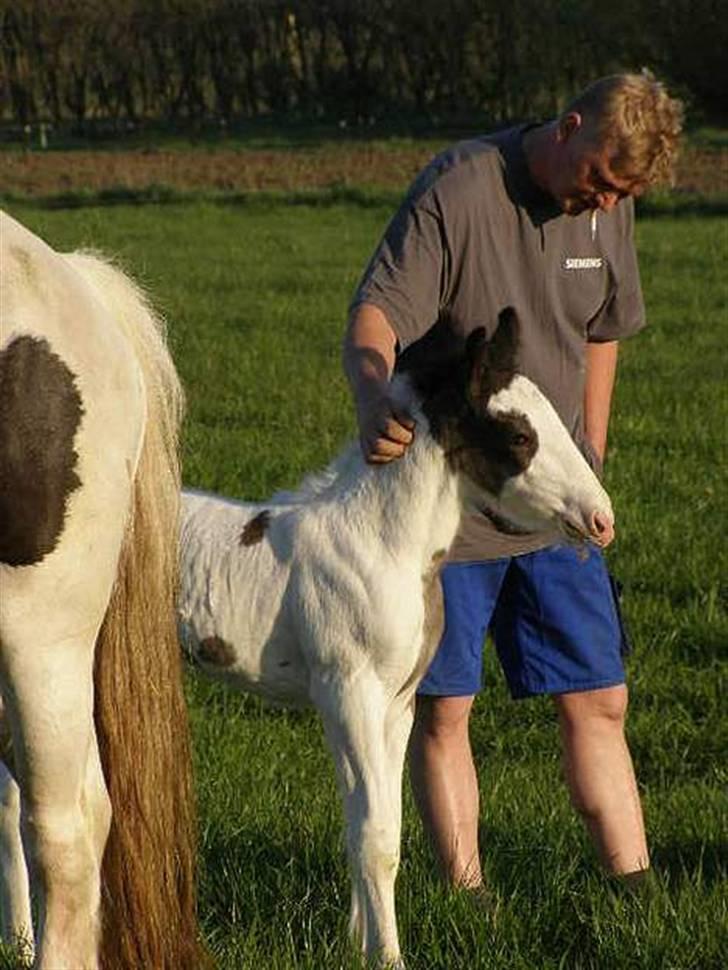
434 606
433 622
491 449
255 529
456 378
216 651
40 412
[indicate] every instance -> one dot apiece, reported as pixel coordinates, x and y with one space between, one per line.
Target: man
539 217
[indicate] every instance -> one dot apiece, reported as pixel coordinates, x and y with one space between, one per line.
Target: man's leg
445 785
443 776
600 775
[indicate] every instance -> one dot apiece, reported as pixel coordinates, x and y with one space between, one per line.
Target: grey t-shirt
474 235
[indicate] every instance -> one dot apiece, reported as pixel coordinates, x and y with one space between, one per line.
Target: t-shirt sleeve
405 277
624 312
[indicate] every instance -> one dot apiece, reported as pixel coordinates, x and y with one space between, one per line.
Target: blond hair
634 113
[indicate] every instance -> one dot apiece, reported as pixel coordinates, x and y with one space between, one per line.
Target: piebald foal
331 595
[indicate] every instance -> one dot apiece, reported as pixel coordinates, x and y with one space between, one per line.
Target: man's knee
442 717
589 710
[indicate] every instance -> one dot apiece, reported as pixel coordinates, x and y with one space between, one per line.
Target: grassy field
256 296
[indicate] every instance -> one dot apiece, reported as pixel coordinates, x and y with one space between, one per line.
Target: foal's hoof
384 962
484 901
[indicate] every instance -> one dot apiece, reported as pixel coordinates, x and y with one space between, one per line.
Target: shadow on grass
668 206
365 197
700 863
249 878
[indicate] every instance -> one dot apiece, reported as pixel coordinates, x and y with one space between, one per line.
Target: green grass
256 296
660 203
709 137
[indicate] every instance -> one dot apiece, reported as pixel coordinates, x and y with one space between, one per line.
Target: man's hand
385 429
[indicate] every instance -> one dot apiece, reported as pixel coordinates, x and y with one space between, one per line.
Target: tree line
81 61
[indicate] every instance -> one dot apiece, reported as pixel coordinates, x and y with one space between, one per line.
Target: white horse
331 595
95 790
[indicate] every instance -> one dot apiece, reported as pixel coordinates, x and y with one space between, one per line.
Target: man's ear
569 124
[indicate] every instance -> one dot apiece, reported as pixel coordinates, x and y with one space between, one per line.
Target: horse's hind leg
16 926
65 808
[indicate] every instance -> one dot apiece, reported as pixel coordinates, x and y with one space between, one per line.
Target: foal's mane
313 486
436 360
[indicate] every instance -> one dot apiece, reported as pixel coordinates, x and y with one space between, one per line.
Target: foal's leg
16 925
399 727
354 716
66 810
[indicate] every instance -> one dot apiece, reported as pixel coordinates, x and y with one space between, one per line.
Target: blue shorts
554 617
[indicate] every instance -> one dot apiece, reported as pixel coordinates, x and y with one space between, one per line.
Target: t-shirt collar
520 186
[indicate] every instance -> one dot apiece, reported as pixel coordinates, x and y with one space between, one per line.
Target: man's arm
601 367
369 354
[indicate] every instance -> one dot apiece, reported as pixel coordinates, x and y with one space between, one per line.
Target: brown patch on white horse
216 652
255 529
509 441
488 448
40 412
434 622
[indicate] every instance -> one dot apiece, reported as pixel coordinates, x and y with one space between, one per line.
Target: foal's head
502 435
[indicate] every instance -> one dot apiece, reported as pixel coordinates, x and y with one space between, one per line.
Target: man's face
584 178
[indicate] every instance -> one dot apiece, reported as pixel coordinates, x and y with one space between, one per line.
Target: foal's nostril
601 525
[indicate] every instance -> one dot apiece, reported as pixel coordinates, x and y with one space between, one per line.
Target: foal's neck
415 500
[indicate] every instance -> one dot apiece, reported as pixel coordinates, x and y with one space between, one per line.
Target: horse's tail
148 874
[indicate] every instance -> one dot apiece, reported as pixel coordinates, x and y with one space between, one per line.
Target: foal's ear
475 352
475 346
503 347
493 363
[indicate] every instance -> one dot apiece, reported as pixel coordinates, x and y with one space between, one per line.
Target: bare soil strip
38 174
